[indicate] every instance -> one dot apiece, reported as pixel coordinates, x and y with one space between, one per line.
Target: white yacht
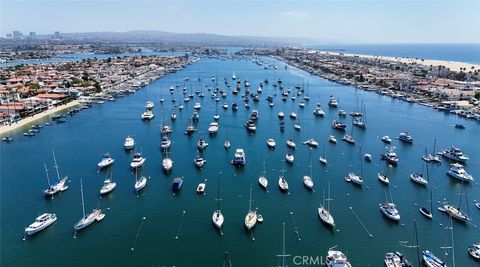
336 259
348 138
386 139
474 251
271 143
319 111
147 115
106 161
129 143
332 102
197 106
240 157
311 142
281 115
457 171
390 156
455 154
293 116
213 129
390 210
108 186
137 161
149 105
165 144
202 144
262 179
405 137
431 260
41 222
396 259
199 161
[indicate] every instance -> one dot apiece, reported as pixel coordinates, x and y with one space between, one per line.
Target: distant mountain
183 38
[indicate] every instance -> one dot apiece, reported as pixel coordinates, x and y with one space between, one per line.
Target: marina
80 141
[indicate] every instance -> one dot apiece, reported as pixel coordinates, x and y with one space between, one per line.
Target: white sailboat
324 213
323 159
217 217
251 218
139 183
282 183
87 219
308 180
353 177
59 185
262 180
167 162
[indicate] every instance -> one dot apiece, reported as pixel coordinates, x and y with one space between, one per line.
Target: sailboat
389 209
282 183
87 219
324 213
251 218
424 211
456 212
431 157
262 180
355 178
59 185
349 138
418 177
323 159
167 163
217 217
140 183
307 180
383 177
108 184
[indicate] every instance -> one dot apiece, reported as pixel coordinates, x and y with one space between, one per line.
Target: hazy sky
354 21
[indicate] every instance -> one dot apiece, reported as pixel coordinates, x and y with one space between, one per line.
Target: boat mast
46 171
361 165
328 199
226 260
83 203
218 194
250 201
416 240
56 166
283 255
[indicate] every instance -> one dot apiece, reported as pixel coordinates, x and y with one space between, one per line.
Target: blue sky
328 21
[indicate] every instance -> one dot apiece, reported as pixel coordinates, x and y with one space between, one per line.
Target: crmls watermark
308 261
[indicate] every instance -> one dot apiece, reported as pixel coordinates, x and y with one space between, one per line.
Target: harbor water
159 228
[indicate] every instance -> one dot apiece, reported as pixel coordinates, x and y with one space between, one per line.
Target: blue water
80 143
469 53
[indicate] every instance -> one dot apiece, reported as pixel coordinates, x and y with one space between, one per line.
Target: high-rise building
57 35
17 34
33 34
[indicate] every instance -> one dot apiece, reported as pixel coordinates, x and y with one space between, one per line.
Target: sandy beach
5 129
452 65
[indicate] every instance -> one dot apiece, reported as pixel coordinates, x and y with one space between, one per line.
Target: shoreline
452 65
5 129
